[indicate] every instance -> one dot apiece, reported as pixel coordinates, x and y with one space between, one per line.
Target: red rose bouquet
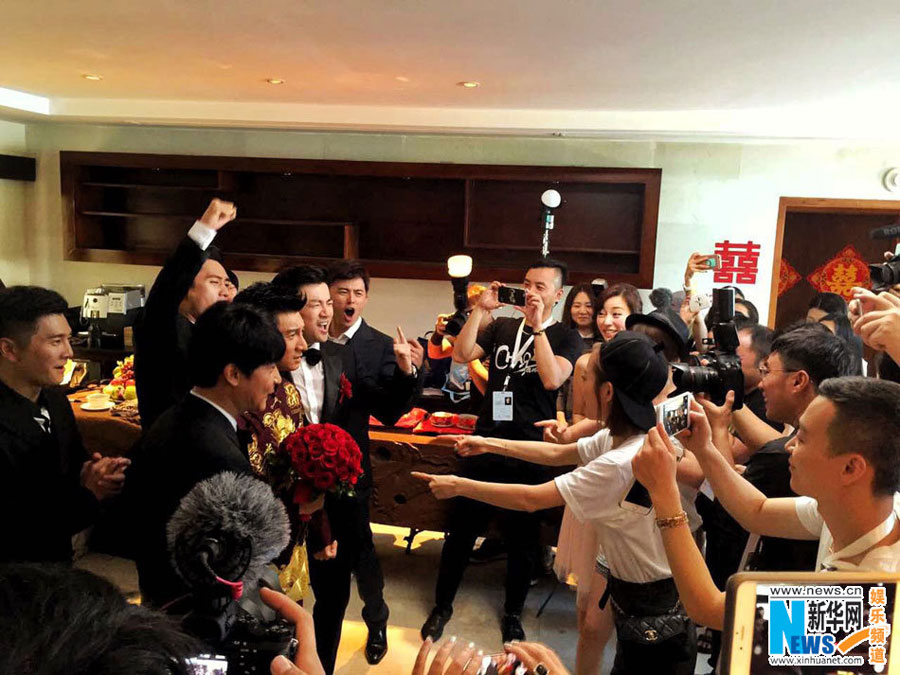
323 458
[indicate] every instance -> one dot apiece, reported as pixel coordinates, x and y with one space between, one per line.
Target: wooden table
102 431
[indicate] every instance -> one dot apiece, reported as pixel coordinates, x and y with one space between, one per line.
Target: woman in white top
643 593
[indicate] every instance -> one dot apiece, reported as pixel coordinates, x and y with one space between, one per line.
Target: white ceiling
750 67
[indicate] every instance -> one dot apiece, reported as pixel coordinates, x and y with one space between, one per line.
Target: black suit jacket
42 502
161 334
190 442
378 386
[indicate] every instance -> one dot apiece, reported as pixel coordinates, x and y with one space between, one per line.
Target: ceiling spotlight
275 80
93 78
469 84
402 78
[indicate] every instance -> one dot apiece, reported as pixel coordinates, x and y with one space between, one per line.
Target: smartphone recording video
510 295
675 413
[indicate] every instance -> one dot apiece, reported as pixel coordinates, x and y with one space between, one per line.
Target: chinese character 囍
740 262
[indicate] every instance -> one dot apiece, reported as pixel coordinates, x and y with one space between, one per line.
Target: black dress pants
330 579
520 532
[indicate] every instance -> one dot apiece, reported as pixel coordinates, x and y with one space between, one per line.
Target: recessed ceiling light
401 78
469 84
275 80
93 78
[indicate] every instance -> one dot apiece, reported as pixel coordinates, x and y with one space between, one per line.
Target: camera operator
844 460
530 359
453 378
801 358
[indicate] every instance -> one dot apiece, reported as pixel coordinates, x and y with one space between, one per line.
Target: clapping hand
442 487
218 214
104 476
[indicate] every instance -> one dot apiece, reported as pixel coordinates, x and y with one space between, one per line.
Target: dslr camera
721 367
884 275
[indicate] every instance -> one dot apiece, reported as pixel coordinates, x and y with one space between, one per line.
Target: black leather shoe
511 628
376 645
434 624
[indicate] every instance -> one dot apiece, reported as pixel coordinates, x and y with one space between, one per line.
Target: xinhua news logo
821 625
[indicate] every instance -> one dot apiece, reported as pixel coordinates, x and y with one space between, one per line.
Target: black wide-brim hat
638 371
674 327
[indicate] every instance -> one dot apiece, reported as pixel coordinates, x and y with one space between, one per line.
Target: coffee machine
108 311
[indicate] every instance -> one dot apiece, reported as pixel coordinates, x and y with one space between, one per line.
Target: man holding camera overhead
530 359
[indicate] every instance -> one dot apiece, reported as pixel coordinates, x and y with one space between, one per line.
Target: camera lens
695 379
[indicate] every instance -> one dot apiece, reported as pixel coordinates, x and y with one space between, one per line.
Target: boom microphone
221 538
885 232
226 529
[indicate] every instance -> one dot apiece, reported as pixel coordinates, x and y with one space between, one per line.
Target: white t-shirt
882 558
630 541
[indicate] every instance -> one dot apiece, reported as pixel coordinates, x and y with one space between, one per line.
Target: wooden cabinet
400 219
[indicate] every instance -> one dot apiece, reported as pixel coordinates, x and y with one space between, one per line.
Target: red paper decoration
840 274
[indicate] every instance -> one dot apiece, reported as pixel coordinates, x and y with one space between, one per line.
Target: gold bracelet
673 521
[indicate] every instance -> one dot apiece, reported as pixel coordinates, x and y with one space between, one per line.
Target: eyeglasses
764 371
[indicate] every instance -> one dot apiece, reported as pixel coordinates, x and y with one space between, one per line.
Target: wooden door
824 245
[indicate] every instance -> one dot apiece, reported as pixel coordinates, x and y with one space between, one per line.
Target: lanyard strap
834 559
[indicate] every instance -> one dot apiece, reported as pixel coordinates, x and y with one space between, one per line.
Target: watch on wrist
539 332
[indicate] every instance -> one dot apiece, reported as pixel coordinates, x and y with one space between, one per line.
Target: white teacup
97 400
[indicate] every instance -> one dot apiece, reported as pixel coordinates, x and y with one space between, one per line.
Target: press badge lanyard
836 560
518 352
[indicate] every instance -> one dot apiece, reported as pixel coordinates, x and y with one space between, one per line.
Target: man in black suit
187 285
49 487
233 356
343 381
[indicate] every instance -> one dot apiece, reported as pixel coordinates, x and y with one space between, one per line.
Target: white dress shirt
310 383
222 410
201 235
347 335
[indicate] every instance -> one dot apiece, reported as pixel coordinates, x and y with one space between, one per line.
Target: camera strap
835 559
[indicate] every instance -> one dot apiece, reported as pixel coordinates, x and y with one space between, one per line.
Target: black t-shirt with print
531 401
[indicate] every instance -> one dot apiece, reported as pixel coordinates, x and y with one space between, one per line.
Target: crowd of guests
789 481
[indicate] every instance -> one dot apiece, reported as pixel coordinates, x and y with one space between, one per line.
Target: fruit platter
121 387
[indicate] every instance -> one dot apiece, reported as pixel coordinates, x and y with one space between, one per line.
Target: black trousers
520 532
330 579
674 655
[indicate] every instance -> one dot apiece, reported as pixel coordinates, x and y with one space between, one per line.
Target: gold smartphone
827 623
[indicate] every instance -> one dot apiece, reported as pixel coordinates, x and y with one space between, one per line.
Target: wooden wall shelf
401 219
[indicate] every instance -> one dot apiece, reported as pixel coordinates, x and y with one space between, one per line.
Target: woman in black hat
654 633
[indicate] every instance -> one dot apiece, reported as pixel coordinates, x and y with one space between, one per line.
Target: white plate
106 406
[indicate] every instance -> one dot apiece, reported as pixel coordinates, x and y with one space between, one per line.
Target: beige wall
15 197
710 191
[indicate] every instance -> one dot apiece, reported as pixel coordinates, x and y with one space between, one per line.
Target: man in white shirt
844 460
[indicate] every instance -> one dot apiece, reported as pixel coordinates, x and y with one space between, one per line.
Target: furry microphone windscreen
236 519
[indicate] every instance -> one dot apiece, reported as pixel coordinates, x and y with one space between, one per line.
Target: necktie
312 356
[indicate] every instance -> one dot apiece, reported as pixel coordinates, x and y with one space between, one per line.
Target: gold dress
268 429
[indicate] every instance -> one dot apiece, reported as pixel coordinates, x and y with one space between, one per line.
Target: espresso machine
109 312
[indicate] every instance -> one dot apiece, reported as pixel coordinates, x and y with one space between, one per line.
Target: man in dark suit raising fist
192 279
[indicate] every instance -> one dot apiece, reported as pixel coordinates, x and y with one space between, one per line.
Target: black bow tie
312 356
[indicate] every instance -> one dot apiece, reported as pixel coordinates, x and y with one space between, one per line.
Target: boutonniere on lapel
345 388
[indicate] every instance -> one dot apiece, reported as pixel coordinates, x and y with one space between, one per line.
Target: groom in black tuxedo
233 356
343 382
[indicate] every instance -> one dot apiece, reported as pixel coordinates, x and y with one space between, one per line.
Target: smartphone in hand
510 295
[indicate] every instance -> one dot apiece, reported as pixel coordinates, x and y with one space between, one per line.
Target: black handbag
647 613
